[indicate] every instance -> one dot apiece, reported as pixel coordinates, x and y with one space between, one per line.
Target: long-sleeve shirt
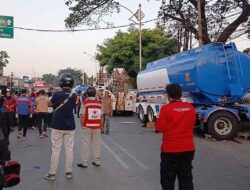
9 104
24 105
176 122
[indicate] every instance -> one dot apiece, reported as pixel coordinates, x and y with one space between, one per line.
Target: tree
91 80
122 51
51 79
88 12
219 18
77 74
4 58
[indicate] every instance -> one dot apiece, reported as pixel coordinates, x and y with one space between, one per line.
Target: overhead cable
81 30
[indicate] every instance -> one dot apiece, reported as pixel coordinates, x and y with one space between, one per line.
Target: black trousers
23 123
9 122
177 165
33 121
49 119
42 118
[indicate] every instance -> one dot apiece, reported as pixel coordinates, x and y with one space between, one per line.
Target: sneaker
19 135
33 127
44 134
24 137
41 135
69 175
81 165
95 164
50 177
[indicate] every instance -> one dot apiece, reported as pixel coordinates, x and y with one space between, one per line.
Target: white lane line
143 166
124 165
127 122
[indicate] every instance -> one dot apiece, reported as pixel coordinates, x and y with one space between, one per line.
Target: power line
80 30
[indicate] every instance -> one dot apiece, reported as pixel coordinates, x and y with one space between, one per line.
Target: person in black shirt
63 126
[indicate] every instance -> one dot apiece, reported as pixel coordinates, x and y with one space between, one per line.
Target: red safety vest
92 114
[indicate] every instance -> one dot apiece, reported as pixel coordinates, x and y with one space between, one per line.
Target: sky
37 53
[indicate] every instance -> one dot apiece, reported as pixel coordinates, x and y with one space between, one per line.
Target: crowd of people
25 110
43 110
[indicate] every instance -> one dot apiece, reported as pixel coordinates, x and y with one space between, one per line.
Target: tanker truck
214 78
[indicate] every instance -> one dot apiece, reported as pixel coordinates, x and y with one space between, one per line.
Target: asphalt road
130 161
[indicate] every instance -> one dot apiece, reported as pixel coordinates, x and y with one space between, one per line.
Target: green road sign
6 27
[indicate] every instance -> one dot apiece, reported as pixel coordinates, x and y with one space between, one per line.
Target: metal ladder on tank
235 72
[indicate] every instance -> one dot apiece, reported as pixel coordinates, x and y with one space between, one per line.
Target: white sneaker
50 177
69 175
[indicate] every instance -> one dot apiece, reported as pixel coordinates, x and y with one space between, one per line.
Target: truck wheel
143 118
222 126
151 116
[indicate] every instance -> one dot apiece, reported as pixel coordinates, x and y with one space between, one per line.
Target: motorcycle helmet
66 80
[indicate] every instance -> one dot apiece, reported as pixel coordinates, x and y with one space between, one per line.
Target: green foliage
77 74
91 80
122 51
50 79
4 58
88 12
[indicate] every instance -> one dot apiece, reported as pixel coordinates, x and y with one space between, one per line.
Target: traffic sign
6 27
139 15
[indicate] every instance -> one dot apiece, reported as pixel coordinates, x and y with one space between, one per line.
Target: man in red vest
176 122
91 129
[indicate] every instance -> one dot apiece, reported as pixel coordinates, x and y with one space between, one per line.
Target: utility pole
199 22
11 80
140 48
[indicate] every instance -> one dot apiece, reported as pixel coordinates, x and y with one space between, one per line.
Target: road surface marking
124 165
143 166
127 122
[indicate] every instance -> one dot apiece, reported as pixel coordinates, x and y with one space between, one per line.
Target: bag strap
64 102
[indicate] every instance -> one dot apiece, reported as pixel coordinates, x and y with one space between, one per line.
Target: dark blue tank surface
209 73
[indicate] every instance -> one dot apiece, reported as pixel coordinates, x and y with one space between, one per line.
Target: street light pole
93 59
139 16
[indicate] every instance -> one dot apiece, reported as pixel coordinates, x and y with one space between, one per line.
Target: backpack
9 175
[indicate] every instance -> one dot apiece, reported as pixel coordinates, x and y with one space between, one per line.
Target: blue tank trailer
214 77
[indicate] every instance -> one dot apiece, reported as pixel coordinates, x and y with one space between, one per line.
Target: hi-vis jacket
92 114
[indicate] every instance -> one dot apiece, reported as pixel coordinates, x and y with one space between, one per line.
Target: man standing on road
107 109
23 112
176 122
91 129
63 126
41 104
9 112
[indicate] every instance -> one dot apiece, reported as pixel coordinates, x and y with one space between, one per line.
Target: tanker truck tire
222 126
143 118
151 116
